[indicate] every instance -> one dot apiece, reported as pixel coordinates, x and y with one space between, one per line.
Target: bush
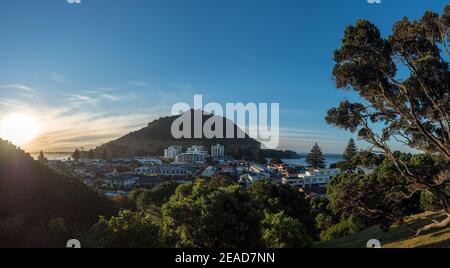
344 228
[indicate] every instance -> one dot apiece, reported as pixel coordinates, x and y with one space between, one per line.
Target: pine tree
91 154
41 157
350 152
238 155
315 157
76 155
259 157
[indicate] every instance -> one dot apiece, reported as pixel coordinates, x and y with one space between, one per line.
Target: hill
31 195
398 236
153 139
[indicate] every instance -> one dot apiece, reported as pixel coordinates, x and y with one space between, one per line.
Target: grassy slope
397 237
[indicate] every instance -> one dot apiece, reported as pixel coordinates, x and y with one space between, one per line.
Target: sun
20 129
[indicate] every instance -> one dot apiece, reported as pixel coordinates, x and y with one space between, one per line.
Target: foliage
204 217
281 231
275 198
344 228
126 230
413 110
157 195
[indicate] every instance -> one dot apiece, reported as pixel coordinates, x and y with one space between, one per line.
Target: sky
91 71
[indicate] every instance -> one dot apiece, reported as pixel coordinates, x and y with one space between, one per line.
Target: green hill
157 136
31 195
398 236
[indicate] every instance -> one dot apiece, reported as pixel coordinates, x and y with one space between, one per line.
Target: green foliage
204 217
275 198
281 231
157 195
221 181
344 228
315 157
126 230
412 110
350 152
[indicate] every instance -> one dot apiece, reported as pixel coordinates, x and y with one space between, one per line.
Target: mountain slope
154 138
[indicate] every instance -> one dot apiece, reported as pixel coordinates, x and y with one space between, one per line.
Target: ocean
329 159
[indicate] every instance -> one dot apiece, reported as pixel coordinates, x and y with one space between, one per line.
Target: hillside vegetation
398 236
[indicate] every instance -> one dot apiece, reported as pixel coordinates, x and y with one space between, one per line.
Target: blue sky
94 71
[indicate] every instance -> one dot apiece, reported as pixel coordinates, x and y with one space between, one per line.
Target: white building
191 158
172 152
261 170
314 178
197 149
218 151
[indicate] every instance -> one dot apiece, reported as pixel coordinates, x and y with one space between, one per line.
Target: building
194 155
149 181
191 158
197 149
121 181
210 172
260 170
147 171
172 152
311 180
218 151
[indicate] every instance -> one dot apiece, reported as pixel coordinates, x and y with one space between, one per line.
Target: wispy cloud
74 1
17 87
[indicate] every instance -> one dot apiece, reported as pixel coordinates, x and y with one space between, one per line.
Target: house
149 181
121 181
209 172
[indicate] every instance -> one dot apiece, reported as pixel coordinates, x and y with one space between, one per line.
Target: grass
398 236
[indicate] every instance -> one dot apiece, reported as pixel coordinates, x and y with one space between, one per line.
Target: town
118 176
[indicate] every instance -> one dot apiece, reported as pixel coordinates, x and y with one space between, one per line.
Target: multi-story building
218 151
311 179
191 158
172 152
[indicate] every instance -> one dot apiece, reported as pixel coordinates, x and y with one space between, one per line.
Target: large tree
315 157
404 81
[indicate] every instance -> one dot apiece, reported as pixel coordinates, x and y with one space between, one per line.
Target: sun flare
20 129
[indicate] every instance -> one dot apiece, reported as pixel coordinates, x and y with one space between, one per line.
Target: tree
259 158
380 196
41 158
281 197
315 157
221 181
412 110
91 154
281 231
350 152
104 155
126 230
238 155
200 216
76 155
157 195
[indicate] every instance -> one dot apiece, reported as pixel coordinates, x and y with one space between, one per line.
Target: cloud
74 1
18 87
